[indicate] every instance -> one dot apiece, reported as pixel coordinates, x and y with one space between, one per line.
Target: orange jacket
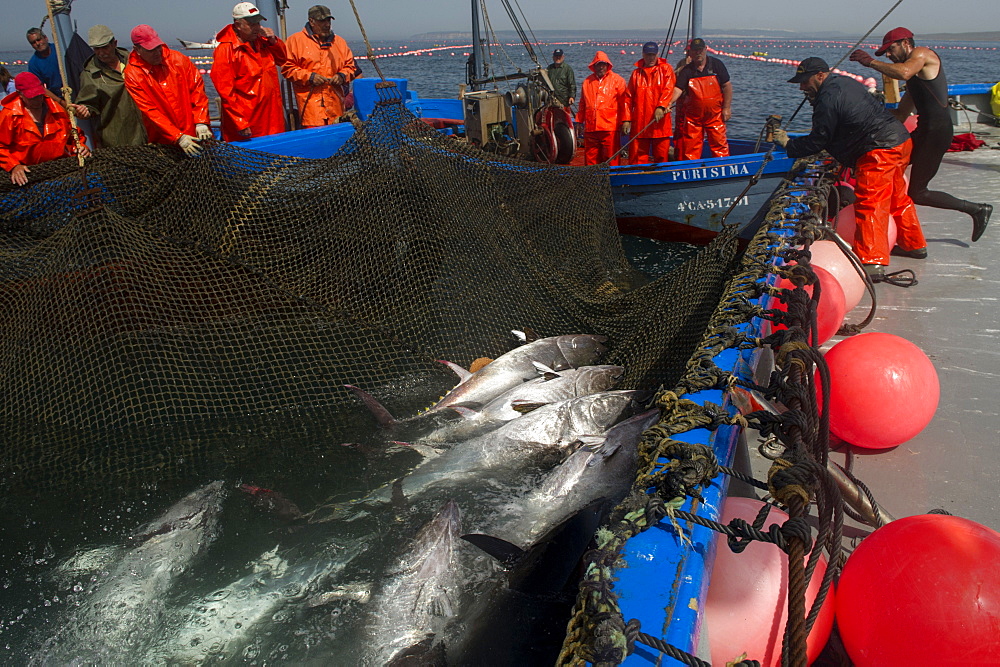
601 99
318 104
648 88
171 97
22 143
246 77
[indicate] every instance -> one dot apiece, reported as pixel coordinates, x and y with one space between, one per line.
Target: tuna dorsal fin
524 407
382 416
506 553
462 374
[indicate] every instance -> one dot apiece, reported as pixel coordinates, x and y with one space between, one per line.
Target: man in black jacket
851 125
927 92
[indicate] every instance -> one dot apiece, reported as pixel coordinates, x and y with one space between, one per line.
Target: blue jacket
847 122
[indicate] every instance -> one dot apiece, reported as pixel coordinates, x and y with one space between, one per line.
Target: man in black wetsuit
927 92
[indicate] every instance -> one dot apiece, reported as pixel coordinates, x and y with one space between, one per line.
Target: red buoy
923 590
747 605
883 390
830 310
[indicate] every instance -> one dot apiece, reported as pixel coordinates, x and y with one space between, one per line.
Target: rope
368 45
67 91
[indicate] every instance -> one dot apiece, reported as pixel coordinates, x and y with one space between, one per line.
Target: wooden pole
67 90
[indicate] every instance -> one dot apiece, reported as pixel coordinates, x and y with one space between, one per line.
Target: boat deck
953 315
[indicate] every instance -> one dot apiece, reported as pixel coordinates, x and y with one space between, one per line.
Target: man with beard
321 67
927 92
858 132
103 94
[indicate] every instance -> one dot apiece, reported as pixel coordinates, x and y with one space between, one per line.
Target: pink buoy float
746 607
827 255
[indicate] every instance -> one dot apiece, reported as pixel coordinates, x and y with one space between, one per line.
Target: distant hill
738 33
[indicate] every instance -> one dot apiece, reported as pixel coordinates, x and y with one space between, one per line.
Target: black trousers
929 146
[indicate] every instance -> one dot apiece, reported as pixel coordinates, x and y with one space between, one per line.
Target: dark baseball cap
650 47
696 44
557 52
892 37
807 68
320 13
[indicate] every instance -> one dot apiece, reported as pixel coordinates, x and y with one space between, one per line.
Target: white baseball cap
247 10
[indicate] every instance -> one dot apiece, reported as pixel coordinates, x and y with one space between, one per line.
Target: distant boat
199 45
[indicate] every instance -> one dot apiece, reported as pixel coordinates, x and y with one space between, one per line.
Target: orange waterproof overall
700 115
881 192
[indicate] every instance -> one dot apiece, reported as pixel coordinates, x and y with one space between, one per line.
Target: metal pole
475 61
287 95
696 19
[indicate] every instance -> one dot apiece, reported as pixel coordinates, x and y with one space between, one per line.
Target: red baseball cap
28 85
893 36
144 36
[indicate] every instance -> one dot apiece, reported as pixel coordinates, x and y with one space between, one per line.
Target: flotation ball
828 255
831 308
922 590
847 225
883 390
747 604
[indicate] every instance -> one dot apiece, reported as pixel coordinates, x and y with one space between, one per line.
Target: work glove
780 137
626 126
863 57
202 132
659 114
189 145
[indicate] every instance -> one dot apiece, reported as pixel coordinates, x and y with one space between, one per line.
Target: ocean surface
435 69
41 589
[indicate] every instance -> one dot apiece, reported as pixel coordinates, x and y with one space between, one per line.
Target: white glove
202 132
189 145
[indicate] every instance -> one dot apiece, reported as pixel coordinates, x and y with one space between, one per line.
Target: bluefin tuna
505 372
543 435
219 626
419 596
123 612
551 387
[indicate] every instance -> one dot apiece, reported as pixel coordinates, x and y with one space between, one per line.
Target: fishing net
149 297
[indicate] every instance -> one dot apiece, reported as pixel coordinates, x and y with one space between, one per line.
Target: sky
198 20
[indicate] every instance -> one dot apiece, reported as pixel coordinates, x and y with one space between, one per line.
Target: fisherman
43 62
859 133
927 92
321 67
244 71
103 94
562 78
600 107
6 82
706 96
648 103
169 92
33 129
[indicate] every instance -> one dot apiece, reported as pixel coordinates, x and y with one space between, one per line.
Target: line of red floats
921 590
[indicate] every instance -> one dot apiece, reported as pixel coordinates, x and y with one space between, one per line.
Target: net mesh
246 285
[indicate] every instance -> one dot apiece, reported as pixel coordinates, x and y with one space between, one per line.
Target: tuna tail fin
506 553
382 416
462 374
